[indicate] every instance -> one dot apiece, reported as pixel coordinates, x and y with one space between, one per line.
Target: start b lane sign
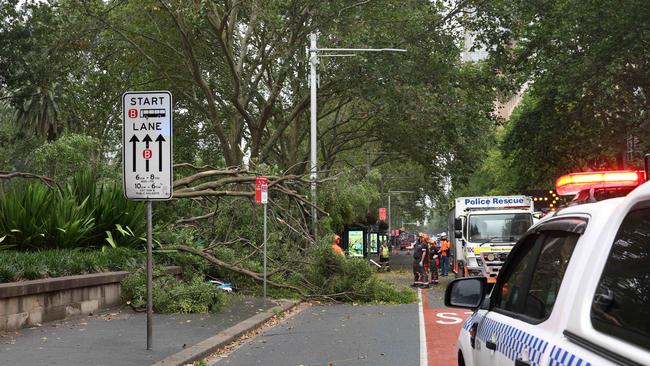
147 145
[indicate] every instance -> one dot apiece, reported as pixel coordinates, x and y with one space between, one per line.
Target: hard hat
443 234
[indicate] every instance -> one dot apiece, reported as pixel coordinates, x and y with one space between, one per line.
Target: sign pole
147 164
265 231
149 276
262 197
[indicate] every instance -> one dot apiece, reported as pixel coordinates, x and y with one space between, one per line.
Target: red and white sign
262 190
382 214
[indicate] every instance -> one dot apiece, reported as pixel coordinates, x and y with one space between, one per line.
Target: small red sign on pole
261 190
382 214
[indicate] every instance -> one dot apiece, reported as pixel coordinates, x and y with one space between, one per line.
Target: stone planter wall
28 303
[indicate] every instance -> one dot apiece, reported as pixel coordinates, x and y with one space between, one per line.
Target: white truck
484 230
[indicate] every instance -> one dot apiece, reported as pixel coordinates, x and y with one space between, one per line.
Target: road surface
414 334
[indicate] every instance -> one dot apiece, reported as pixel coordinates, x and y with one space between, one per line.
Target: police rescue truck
485 229
575 289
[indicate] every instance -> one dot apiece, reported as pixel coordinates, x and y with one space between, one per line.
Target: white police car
574 291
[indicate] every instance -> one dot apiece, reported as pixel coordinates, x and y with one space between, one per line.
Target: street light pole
314 54
390 233
313 89
389 211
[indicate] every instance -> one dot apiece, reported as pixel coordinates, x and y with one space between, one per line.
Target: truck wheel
461 270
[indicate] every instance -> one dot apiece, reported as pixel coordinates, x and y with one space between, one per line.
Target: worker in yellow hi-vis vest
384 256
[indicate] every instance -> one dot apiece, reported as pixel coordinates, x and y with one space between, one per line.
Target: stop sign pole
147 163
262 197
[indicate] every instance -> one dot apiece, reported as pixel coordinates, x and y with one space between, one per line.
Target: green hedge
18 266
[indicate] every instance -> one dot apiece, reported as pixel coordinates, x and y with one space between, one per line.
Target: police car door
517 327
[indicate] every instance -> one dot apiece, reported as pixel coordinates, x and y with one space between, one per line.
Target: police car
575 289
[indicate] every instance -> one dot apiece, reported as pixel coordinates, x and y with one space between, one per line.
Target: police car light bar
576 182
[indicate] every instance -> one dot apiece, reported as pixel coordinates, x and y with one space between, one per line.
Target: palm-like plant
38 111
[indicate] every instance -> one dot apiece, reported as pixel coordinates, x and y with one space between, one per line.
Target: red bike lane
441 328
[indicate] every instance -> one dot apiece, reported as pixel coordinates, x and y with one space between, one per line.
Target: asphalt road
363 335
338 335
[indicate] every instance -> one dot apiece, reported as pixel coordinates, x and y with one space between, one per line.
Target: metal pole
265 254
313 62
149 276
389 222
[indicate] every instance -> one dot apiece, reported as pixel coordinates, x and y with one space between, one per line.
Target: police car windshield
498 227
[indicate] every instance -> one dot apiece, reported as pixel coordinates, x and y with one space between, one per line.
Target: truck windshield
498 227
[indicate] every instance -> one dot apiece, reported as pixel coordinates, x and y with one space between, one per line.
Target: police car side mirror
458 224
467 293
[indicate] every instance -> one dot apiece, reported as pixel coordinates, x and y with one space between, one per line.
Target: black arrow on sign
160 139
146 140
134 139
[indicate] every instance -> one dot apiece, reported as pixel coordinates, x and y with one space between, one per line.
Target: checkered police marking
560 357
467 325
512 342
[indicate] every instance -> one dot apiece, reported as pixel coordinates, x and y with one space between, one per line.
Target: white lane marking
451 318
423 334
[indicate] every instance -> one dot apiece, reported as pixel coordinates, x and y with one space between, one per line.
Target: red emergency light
577 182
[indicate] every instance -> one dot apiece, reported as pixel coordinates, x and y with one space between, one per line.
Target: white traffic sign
147 145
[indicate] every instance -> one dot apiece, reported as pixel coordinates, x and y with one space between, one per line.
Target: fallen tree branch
197 218
254 275
187 194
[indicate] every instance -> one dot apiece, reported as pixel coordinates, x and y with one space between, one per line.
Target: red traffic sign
261 190
382 214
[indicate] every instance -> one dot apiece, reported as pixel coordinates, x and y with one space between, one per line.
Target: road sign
382 214
147 145
262 190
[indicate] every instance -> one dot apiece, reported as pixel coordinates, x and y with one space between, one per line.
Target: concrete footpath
118 336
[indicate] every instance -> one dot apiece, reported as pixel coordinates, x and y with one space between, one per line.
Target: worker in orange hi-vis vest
336 246
444 254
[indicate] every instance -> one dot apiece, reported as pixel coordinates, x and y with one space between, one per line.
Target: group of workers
428 258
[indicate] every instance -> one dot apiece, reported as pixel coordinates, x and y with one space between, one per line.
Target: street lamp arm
357 50
338 55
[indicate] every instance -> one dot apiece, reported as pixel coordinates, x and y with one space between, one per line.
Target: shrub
112 213
33 216
192 294
82 214
17 266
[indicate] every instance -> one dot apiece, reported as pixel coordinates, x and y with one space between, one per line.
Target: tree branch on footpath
254 275
259 277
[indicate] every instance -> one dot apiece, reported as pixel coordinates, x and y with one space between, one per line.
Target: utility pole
313 89
389 211
314 54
